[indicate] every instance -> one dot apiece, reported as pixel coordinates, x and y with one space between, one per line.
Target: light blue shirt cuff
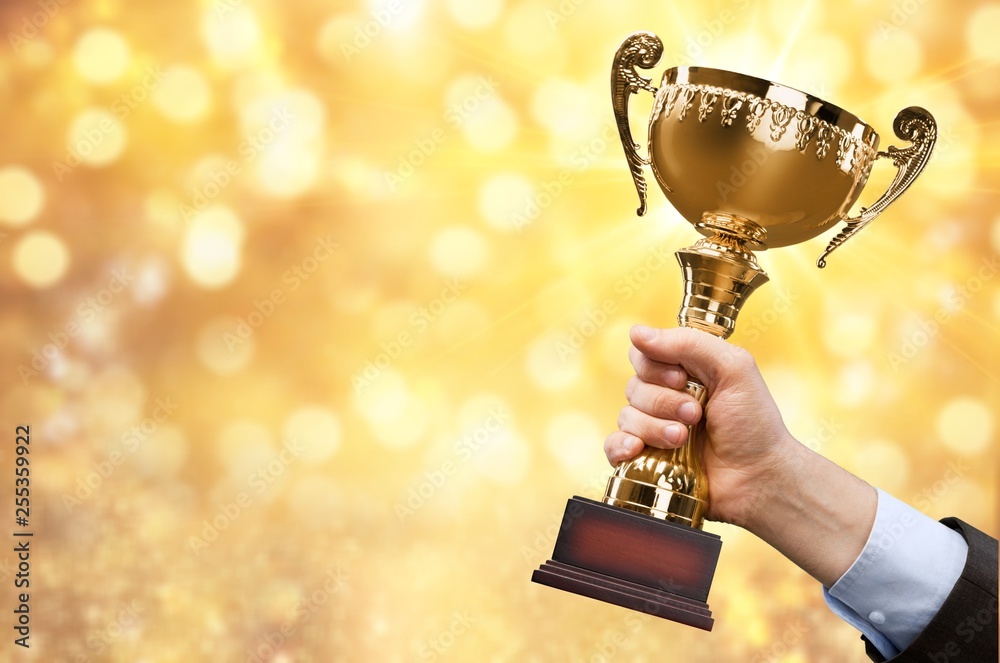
906 570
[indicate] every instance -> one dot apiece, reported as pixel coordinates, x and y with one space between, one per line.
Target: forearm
815 513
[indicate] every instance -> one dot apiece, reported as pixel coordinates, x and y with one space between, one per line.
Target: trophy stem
720 273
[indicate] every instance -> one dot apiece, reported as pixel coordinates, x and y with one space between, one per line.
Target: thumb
701 354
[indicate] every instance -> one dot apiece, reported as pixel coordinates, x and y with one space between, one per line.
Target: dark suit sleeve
964 630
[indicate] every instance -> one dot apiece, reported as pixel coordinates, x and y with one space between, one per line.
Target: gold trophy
752 165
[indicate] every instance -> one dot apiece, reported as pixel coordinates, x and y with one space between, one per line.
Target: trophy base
634 561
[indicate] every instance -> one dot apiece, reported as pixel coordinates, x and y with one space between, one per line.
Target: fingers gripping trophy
643 546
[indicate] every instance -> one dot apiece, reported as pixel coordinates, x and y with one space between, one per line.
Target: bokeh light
459 251
221 348
21 196
211 249
895 58
316 430
183 96
96 137
981 32
232 34
101 55
966 426
475 15
502 198
300 290
41 258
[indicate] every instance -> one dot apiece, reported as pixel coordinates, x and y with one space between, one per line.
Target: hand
746 441
759 476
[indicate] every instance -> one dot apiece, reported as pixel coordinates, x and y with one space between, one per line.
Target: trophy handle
917 126
642 49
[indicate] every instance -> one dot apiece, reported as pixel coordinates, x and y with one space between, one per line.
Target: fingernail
674 376
673 432
688 412
632 445
645 333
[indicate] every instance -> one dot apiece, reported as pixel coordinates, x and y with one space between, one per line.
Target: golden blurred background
318 312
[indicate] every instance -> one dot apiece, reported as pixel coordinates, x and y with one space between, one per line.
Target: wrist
775 482
814 512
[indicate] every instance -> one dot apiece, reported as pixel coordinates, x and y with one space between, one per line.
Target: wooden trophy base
635 561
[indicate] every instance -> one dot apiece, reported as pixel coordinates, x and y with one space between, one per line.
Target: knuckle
742 357
674 376
662 402
622 416
686 338
630 387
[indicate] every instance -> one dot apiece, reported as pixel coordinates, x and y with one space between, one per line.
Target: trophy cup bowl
762 161
752 165
783 163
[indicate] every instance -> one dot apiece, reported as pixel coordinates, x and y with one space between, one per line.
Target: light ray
794 33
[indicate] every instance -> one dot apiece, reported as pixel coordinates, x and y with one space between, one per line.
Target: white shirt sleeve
906 570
